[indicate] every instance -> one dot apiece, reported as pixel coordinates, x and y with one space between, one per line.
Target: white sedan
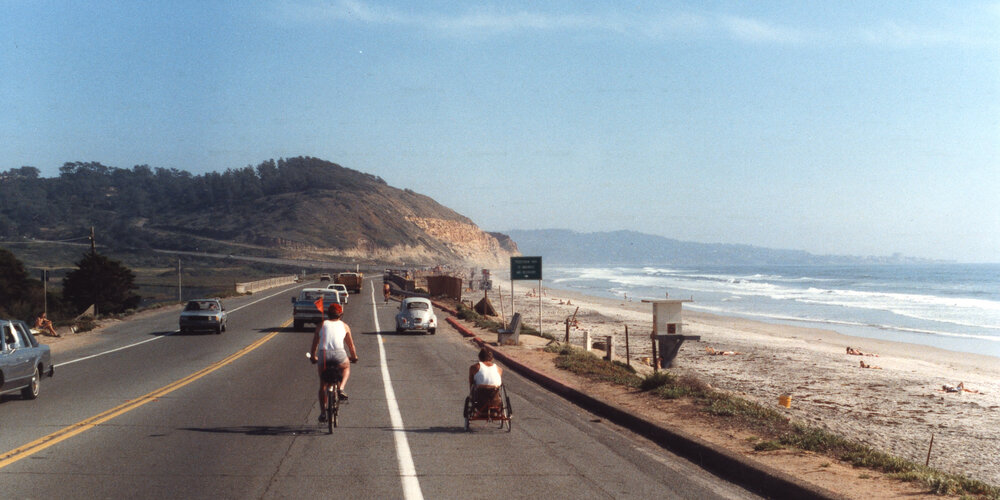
341 291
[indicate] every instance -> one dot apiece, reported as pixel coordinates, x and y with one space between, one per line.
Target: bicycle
332 378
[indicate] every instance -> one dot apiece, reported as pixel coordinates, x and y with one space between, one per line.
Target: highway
145 412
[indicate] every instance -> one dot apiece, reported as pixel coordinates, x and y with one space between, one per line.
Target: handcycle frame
498 410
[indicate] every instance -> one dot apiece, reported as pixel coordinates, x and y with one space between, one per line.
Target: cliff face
298 207
468 242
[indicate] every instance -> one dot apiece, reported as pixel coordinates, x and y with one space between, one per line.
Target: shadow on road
262 430
394 332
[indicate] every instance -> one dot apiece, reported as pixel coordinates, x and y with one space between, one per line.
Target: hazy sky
837 127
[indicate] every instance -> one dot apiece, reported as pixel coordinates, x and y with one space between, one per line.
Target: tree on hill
20 296
101 281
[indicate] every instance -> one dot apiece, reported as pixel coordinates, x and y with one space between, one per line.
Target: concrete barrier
256 286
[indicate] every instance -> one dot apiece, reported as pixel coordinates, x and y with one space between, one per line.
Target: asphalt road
144 412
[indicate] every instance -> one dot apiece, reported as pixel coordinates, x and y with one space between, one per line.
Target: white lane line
122 348
407 471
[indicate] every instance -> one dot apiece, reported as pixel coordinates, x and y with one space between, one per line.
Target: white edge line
122 348
407 470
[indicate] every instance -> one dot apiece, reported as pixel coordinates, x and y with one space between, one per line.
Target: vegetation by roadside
772 430
466 313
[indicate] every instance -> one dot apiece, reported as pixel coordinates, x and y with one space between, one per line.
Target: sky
851 128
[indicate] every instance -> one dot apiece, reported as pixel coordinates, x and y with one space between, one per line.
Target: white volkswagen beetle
416 313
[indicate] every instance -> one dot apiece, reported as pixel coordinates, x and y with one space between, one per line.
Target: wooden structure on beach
668 328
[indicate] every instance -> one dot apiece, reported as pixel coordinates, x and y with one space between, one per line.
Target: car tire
31 391
400 330
218 330
223 327
432 331
298 325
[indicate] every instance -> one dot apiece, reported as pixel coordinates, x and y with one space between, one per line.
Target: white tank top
331 336
487 375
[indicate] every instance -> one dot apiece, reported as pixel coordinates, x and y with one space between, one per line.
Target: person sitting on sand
854 352
865 365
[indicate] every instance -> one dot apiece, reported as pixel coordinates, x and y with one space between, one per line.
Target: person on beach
714 352
45 325
873 367
854 352
957 388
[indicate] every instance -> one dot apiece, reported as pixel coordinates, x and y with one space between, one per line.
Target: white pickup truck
304 308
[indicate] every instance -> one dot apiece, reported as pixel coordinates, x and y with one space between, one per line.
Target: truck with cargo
352 281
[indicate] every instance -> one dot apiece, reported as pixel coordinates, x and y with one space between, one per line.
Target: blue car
23 360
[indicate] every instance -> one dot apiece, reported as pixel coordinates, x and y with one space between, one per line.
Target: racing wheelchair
489 403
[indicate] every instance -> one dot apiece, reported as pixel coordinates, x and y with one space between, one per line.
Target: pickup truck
352 281
304 308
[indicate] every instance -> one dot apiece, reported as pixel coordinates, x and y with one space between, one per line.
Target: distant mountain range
630 248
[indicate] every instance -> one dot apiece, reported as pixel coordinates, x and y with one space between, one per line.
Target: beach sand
896 408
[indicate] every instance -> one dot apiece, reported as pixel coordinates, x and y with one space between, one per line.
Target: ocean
951 306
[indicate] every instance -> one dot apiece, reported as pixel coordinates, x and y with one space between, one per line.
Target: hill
629 248
298 208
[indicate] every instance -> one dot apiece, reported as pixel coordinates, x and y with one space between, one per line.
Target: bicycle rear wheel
331 410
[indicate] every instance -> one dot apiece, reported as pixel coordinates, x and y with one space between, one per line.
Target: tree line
97 280
88 194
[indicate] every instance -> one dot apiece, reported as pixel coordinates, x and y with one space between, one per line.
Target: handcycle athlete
330 347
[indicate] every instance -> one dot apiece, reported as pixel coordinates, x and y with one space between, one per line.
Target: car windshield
201 305
420 306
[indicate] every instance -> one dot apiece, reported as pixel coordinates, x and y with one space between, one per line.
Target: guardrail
256 286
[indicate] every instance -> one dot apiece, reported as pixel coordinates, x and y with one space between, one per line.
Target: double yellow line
84 425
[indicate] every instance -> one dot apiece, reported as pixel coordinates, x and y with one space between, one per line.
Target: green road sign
525 268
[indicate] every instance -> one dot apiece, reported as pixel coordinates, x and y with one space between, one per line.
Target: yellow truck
352 281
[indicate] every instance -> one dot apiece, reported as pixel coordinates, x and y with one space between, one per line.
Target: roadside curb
734 467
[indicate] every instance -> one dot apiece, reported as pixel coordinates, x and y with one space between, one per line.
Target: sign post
527 268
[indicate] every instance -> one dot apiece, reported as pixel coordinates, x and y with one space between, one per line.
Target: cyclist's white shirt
487 375
331 335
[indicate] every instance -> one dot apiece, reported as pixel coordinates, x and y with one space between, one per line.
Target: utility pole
93 241
179 279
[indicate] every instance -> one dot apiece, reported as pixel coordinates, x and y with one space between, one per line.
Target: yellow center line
84 425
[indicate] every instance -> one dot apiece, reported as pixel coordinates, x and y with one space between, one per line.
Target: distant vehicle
325 277
23 360
352 281
304 310
416 313
343 291
204 315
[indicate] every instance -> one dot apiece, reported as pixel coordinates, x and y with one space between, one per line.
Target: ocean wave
822 321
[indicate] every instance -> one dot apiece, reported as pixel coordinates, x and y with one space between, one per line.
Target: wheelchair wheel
508 412
467 411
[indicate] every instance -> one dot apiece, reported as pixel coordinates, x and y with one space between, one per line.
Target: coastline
896 408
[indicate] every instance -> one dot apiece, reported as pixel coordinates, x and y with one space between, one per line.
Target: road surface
145 412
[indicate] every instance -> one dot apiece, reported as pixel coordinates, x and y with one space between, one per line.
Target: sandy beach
896 405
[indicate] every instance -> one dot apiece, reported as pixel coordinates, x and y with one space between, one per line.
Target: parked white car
342 290
416 314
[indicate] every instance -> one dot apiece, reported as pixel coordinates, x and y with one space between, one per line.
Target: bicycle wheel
467 411
331 410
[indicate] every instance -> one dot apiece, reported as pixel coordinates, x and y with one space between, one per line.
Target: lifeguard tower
668 329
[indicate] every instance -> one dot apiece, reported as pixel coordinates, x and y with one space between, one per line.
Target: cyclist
330 347
386 289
